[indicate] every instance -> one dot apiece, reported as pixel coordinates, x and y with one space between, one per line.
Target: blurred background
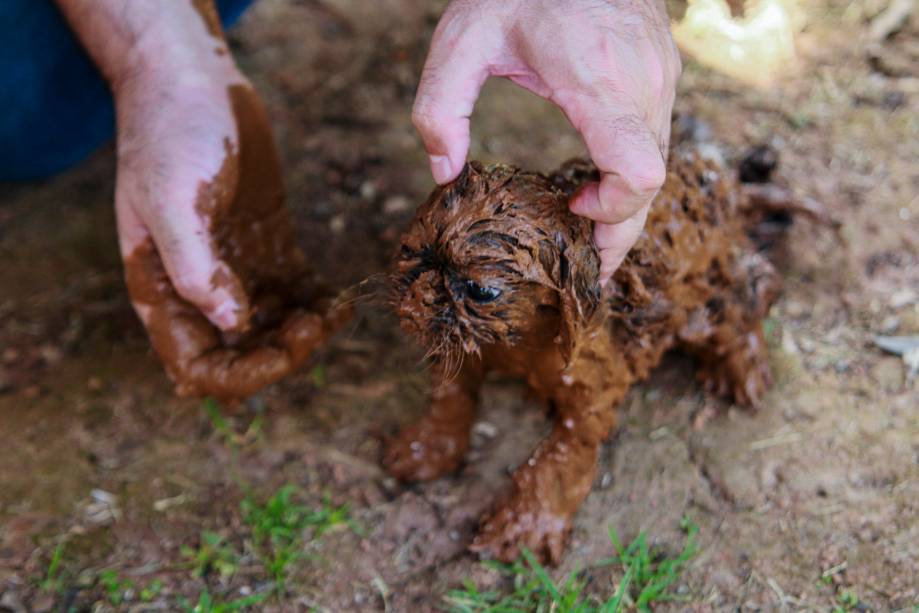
116 495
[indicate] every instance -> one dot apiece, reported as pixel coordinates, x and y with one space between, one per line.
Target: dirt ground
102 463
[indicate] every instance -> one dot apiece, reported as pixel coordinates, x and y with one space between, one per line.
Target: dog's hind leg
726 335
436 444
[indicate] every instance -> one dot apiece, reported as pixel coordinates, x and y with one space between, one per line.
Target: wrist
169 72
173 48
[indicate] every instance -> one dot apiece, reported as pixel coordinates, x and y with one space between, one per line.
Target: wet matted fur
496 273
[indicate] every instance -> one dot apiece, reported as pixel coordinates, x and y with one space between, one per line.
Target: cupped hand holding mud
215 273
211 263
612 68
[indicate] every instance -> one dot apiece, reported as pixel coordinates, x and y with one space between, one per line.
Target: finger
178 331
615 240
453 75
628 155
209 284
182 243
185 244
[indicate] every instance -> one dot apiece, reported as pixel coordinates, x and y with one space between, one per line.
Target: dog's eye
481 293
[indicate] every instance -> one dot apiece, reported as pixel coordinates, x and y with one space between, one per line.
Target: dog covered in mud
497 274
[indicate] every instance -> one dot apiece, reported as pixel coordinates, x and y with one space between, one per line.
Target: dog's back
693 270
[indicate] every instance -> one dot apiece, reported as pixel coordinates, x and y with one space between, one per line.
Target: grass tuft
53 580
117 590
280 525
648 576
209 604
213 554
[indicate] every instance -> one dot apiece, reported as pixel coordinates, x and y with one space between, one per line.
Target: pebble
368 190
337 224
795 309
806 344
396 204
10 601
486 429
389 484
890 324
50 354
902 298
711 151
789 345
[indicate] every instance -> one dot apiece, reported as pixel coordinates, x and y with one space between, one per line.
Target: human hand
211 263
612 69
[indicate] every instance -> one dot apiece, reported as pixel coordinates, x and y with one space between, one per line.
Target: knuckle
646 179
424 116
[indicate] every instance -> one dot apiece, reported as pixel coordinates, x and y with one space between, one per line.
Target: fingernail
440 168
224 316
581 201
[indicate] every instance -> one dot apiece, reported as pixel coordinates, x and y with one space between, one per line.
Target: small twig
835 570
890 19
772 441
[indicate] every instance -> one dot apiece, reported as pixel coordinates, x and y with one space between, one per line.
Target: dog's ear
578 275
472 183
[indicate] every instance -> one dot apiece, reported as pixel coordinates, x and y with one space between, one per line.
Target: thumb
631 164
453 75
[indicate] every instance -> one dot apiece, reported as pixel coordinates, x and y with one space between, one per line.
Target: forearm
126 38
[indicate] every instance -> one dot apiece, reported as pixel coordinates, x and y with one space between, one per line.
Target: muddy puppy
496 274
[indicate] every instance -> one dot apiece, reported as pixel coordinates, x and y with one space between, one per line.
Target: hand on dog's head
496 258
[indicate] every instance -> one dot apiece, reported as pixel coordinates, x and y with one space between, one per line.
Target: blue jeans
55 108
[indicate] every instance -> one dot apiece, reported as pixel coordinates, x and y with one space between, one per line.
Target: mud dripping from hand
285 313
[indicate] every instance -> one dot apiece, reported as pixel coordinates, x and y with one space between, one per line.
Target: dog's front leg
435 444
553 483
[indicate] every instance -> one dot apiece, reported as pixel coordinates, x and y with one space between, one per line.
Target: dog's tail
769 208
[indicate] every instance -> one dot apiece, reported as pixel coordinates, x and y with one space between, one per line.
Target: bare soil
98 454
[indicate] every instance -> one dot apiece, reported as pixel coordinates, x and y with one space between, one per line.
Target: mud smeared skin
497 274
282 304
208 11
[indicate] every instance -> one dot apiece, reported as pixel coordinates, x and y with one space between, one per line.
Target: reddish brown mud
208 11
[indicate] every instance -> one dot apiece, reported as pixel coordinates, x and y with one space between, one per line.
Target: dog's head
496 258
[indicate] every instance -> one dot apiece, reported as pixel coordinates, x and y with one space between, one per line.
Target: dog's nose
418 304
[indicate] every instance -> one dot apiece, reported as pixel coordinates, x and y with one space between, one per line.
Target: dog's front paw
523 522
422 453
